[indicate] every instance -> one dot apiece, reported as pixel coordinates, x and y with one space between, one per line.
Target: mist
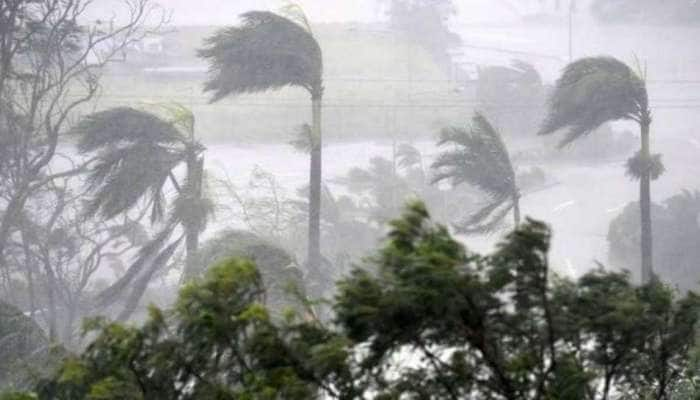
152 148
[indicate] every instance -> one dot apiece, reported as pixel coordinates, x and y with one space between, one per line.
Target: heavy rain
333 199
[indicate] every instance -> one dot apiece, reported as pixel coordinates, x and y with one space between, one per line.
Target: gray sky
221 12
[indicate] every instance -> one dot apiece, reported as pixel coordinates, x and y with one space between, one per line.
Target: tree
423 318
269 51
480 158
425 22
57 253
676 234
51 62
592 91
136 153
24 349
278 270
511 97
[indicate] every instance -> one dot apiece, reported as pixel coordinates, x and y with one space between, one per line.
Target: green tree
218 342
592 91
269 51
424 318
479 157
136 153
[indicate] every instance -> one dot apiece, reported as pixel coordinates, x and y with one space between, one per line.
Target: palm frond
267 51
637 165
192 211
487 220
295 12
303 139
476 156
590 92
138 287
117 126
408 156
136 151
179 116
123 176
145 256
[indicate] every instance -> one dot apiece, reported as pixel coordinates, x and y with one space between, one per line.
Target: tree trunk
516 209
645 206
314 245
195 171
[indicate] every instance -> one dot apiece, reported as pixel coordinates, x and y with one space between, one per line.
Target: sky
223 12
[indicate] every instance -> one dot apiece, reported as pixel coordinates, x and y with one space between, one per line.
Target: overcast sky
223 12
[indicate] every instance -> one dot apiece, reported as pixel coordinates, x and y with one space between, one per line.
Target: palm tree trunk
516 209
195 171
314 245
645 205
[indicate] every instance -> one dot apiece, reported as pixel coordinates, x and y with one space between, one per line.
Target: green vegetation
393 306
424 318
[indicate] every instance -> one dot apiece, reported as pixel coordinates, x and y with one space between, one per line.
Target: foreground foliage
426 319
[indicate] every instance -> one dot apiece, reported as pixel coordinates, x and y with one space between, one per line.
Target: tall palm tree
596 90
479 157
268 51
136 154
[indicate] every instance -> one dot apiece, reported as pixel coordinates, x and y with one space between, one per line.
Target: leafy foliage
426 23
280 275
676 234
638 165
136 154
425 319
221 345
592 91
267 51
24 349
479 158
512 97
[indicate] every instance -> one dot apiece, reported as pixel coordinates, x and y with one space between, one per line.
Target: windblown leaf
590 92
267 51
637 164
408 156
122 125
478 157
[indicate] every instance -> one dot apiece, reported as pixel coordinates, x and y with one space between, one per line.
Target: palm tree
478 156
266 52
136 153
596 90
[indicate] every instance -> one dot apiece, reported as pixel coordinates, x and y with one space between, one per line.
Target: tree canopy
423 318
592 91
267 51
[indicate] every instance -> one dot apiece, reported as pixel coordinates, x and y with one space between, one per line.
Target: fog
146 140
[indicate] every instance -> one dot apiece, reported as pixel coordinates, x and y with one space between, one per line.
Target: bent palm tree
268 51
136 154
480 158
592 91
